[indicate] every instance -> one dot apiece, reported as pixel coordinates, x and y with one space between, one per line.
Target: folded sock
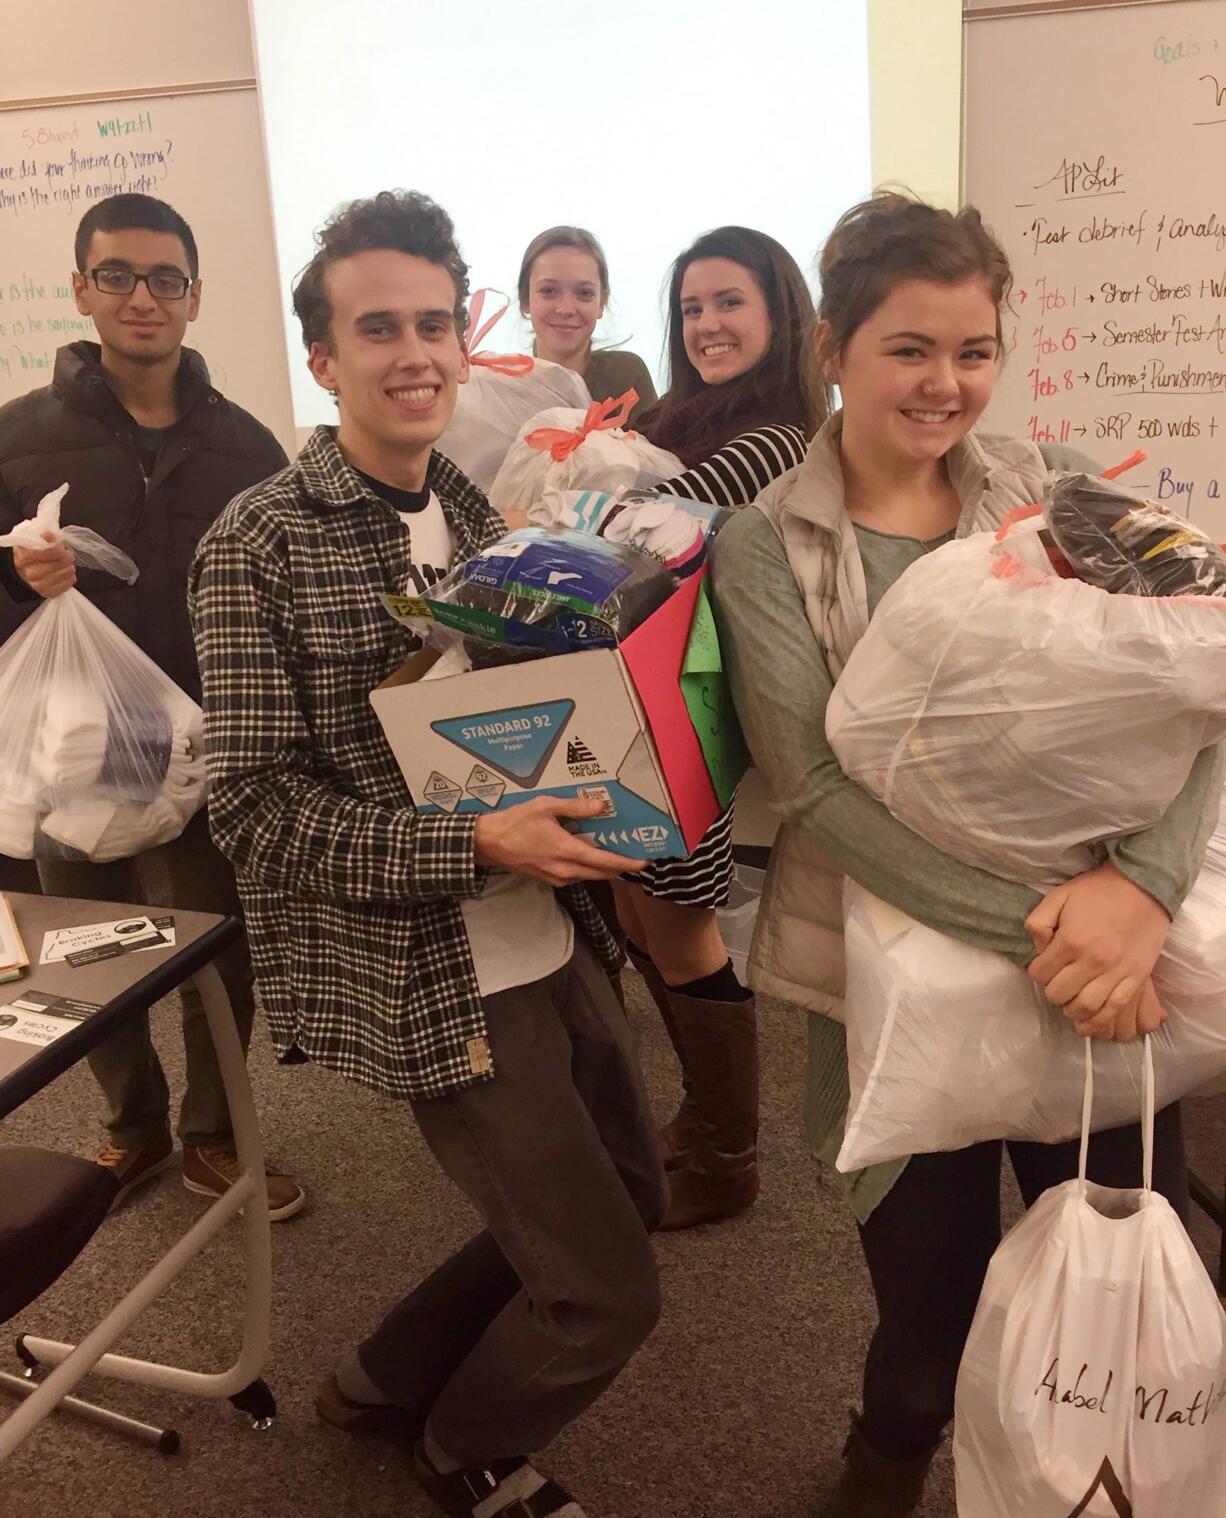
355 1384
722 985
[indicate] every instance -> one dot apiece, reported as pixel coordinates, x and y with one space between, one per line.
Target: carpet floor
737 1405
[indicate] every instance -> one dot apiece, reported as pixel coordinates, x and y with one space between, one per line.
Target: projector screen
645 123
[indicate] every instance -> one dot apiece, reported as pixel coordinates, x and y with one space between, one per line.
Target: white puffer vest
797 951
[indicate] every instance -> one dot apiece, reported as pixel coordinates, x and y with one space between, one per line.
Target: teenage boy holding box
426 956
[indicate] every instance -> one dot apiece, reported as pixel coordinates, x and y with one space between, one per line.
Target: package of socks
1119 541
612 724
540 592
101 755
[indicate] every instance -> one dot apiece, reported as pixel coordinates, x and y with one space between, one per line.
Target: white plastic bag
564 449
1014 718
503 392
101 754
948 1044
1093 1383
671 528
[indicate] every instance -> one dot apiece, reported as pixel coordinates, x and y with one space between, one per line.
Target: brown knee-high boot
873 1486
720 1177
677 1135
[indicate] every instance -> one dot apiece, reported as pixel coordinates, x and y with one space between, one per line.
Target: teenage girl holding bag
910 332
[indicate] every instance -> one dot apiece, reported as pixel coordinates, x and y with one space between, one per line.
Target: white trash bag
1093 1383
671 528
1014 718
565 450
503 392
948 1044
101 754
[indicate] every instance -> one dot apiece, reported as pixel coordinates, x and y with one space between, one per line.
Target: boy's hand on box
1098 938
50 571
529 839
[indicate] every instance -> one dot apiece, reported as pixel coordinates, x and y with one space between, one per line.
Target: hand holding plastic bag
1094 1377
949 1045
101 755
43 530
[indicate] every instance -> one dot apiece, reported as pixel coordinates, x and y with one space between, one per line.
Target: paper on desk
34 1017
104 940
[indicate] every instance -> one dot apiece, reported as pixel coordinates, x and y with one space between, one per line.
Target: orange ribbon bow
600 417
515 364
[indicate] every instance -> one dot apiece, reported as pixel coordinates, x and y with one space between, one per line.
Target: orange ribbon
515 364
1130 462
600 417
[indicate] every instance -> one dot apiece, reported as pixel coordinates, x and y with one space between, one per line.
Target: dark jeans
522 1329
928 1245
191 873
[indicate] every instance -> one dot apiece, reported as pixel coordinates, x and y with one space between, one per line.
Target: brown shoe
720 1176
382 1420
676 1138
132 1166
873 1486
211 1172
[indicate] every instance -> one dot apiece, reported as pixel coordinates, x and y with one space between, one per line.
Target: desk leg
249 1193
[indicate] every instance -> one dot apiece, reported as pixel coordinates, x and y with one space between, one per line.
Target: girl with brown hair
563 291
910 331
738 412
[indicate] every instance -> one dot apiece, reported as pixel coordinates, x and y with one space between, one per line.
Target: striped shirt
352 899
733 477
742 469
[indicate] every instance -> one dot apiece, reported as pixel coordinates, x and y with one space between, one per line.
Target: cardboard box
610 724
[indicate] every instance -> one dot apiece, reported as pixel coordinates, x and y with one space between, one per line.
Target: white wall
71 47
915 83
647 123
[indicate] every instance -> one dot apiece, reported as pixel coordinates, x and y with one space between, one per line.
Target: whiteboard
1094 143
204 154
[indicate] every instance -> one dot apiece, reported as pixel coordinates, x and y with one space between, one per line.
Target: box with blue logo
610 724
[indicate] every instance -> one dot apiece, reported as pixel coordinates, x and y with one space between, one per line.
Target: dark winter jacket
76 430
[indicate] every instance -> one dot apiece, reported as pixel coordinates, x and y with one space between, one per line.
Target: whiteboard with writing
1095 146
202 153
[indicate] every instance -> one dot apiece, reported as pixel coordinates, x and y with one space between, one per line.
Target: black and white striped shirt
742 469
733 477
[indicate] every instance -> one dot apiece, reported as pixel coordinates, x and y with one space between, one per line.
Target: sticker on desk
92 942
35 1017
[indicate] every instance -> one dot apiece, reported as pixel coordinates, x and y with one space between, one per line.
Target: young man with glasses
152 454
426 955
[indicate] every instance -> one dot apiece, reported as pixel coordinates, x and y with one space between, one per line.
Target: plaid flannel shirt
351 898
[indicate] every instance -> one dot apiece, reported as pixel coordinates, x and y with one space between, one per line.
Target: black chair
51 1205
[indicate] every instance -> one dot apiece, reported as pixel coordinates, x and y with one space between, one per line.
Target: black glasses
162 284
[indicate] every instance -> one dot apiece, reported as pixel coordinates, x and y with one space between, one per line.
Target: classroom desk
127 985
